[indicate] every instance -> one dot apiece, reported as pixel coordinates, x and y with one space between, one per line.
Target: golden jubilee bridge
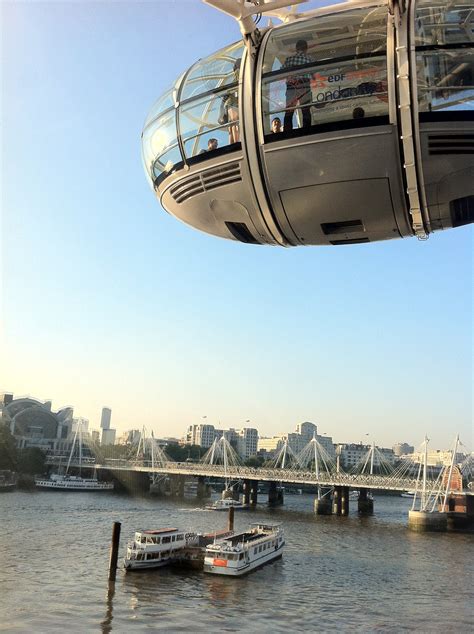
433 490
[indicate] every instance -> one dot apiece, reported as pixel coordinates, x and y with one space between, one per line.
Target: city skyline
363 438
106 300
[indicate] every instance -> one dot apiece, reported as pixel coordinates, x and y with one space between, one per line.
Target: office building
105 418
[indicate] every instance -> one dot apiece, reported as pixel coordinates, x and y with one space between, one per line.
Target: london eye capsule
347 124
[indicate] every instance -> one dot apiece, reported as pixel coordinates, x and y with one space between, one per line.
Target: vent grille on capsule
205 181
451 143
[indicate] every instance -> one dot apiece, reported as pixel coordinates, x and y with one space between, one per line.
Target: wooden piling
230 525
114 547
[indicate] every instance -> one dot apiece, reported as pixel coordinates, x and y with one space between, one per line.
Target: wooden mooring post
114 547
230 524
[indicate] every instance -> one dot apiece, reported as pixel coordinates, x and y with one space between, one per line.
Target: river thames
337 574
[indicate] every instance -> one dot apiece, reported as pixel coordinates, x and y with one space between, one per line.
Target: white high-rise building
201 434
105 418
108 437
247 442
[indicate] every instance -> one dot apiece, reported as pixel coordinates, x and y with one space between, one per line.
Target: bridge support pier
275 495
340 501
365 504
323 506
247 487
422 521
460 512
203 489
253 492
177 486
345 501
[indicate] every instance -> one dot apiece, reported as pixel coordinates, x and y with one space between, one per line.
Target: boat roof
158 531
266 524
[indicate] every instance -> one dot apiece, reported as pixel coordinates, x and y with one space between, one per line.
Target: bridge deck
289 476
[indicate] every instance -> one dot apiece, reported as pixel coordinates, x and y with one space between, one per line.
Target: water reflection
219 588
106 625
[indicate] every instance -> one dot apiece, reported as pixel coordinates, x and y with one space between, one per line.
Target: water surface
337 574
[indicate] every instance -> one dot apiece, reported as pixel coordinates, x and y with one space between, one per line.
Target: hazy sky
107 300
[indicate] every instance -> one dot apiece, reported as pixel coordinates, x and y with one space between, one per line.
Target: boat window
179 538
444 43
324 70
241 556
166 540
255 550
173 538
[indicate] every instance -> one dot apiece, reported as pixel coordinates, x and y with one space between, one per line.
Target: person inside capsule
231 105
212 145
298 89
276 125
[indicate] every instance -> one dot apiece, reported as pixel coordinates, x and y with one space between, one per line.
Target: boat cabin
245 551
164 538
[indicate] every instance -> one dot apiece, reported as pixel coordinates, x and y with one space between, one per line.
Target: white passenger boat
407 494
156 548
225 504
66 482
243 552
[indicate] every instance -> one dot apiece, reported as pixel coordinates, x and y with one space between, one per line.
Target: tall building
402 448
244 441
201 434
131 437
297 440
247 442
352 454
306 430
108 437
105 418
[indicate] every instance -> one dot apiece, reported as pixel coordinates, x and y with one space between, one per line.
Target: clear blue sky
107 300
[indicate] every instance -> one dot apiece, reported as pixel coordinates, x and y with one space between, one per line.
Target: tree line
30 460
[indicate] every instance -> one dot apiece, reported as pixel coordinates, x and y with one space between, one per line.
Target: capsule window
210 123
160 145
209 103
213 72
444 61
325 70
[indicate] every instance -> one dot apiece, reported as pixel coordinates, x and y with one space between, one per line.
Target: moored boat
66 481
246 551
57 482
225 504
156 548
